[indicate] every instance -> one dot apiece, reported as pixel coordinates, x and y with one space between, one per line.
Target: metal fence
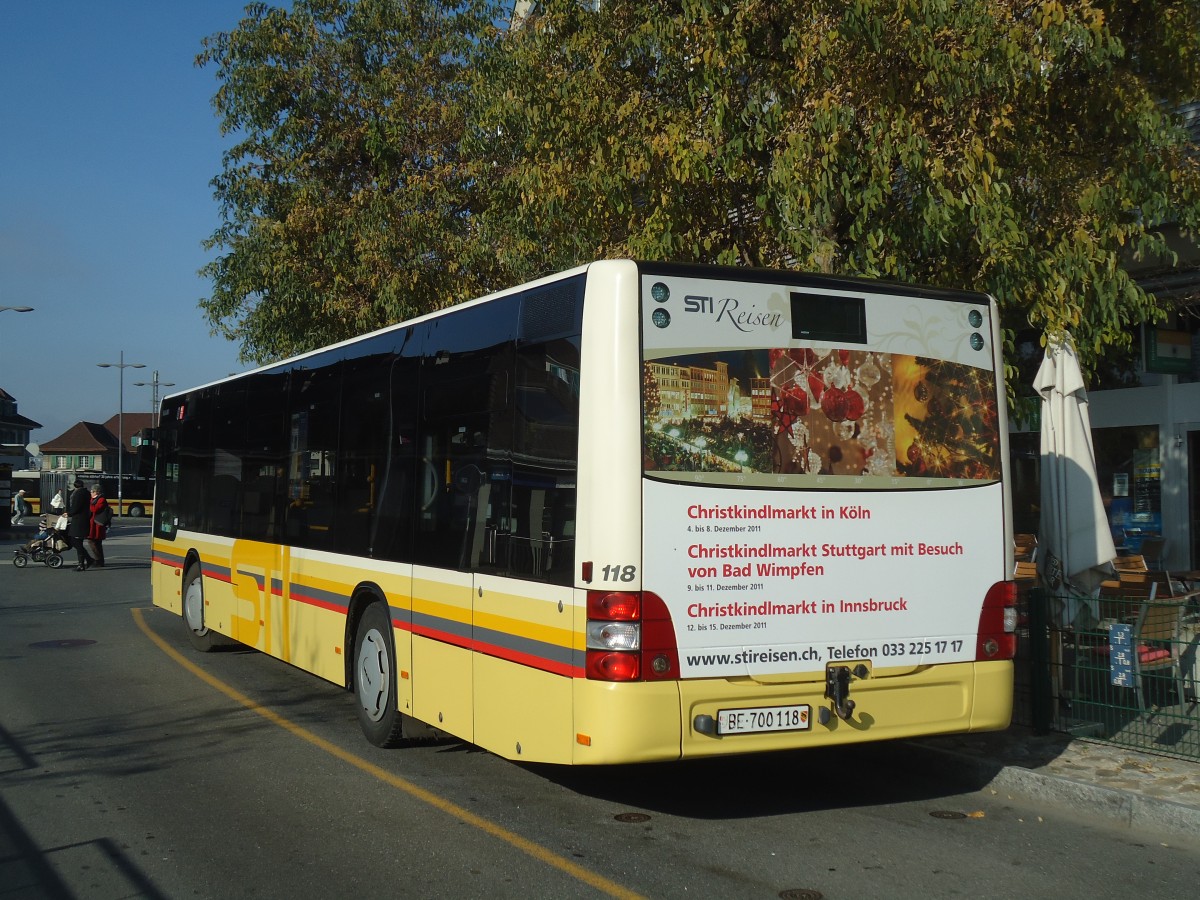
1125 673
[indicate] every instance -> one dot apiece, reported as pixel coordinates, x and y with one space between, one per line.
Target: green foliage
344 200
401 155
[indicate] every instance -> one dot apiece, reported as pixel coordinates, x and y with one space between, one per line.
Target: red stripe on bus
525 659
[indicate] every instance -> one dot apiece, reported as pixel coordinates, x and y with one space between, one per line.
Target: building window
1130 473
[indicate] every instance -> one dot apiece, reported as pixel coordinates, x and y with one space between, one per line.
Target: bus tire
202 637
375 676
135 511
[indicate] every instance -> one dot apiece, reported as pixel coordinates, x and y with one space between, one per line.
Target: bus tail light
630 637
998 623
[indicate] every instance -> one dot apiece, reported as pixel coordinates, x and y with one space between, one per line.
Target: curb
1127 809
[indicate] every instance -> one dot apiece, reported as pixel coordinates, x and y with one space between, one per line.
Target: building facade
15 430
91 447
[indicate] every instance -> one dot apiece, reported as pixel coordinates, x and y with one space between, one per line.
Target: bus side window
362 457
463 475
314 408
545 457
166 502
393 483
228 439
194 460
262 457
465 435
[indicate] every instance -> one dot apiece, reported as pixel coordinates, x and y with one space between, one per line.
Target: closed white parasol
1074 538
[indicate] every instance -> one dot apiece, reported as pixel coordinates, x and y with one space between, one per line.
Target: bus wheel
135 511
201 637
375 678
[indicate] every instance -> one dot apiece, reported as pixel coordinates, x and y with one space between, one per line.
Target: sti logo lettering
729 312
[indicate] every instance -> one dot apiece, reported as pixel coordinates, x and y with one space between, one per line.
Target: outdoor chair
1157 641
1165 585
1154 550
1120 598
1135 563
1025 547
1118 601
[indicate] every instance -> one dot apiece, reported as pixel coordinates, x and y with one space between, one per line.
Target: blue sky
109 144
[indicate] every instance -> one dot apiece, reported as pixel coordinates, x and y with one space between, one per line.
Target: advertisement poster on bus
818 492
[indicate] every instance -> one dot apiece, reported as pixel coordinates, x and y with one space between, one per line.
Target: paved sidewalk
1138 790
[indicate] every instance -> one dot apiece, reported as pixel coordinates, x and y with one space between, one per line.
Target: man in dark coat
79 522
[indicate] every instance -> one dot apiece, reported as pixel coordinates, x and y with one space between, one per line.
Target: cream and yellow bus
632 512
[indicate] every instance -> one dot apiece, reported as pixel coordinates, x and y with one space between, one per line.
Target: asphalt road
131 766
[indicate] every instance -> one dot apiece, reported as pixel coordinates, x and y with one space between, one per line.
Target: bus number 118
619 573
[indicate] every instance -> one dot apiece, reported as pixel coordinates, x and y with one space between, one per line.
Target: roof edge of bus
814 279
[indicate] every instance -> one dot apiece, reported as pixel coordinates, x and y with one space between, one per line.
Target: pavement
1141 791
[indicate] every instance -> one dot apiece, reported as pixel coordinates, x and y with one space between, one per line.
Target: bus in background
29 481
137 493
632 512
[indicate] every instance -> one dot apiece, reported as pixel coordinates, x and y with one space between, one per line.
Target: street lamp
154 384
121 367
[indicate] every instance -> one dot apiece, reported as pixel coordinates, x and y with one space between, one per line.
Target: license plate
763 718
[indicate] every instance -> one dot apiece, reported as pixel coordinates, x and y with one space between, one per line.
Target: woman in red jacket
101 516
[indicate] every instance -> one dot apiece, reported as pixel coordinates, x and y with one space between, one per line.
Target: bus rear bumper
644 722
942 699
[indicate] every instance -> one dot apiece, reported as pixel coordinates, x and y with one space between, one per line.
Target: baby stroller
46 547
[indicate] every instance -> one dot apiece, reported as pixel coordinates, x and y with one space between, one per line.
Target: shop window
1129 468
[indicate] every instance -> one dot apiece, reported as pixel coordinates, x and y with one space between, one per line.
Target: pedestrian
101 518
20 507
79 522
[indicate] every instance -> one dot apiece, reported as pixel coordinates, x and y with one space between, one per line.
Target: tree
345 201
1024 148
399 155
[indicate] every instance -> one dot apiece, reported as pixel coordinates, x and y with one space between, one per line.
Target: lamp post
154 384
121 367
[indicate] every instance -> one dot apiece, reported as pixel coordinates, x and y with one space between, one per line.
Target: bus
632 512
136 494
29 481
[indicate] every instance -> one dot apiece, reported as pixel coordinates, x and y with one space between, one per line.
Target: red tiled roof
82 437
90 437
134 422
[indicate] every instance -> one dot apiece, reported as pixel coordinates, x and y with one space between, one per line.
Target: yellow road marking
537 851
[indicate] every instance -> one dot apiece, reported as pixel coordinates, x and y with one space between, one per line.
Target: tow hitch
837 689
